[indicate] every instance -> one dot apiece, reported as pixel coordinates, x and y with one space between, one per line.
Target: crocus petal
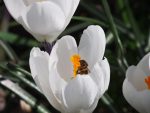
15 8
98 77
144 64
63 51
39 68
80 93
45 19
138 99
92 45
92 107
68 6
60 66
30 2
72 11
136 77
57 83
106 71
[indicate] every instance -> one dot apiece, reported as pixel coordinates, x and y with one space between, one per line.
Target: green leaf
15 88
13 38
21 78
10 52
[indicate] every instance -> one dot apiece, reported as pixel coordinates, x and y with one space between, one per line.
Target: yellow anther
75 59
147 81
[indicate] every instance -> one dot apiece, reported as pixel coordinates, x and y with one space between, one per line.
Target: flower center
79 66
147 81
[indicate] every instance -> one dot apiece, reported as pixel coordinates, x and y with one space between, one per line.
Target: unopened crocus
73 78
44 19
136 87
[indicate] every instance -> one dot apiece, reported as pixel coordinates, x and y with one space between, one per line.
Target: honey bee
83 69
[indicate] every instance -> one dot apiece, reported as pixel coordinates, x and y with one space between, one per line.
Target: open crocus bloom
44 19
136 87
73 78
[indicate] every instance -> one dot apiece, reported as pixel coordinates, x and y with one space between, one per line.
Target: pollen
147 81
75 59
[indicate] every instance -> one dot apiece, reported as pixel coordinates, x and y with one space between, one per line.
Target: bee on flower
73 78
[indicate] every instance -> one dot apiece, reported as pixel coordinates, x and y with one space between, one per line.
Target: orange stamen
75 59
147 81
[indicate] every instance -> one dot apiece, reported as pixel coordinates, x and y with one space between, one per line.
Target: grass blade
112 25
13 87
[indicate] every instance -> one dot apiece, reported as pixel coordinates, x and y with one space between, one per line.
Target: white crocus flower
44 19
73 78
136 87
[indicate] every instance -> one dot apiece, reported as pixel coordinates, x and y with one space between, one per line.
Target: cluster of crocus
73 78
64 72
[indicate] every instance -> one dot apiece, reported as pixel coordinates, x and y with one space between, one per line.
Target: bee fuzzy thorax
83 69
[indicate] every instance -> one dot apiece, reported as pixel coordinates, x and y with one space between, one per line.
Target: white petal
80 93
60 66
62 52
57 83
131 96
68 6
42 58
130 71
92 107
106 71
15 8
136 77
145 99
140 100
45 19
28 2
99 78
39 68
75 3
144 64
92 45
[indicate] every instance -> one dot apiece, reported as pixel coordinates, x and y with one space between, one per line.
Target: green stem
24 80
32 101
109 104
112 25
9 51
114 30
121 7
99 14
134 26
75 28
18 68
91 20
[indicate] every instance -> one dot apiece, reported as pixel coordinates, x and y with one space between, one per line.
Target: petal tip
35 52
